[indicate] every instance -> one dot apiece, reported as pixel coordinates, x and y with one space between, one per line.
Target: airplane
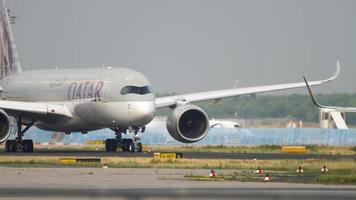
86 99
223 124
336 113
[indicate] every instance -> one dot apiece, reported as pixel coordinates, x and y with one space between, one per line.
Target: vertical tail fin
9 61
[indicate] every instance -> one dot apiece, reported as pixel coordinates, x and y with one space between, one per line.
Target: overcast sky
193 45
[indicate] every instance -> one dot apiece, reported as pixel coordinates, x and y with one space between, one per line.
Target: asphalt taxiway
98 183
183 193
196 155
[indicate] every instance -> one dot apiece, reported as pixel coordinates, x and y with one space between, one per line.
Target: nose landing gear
131 145
127 145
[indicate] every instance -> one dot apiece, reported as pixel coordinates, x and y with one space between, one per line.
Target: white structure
214 123
332 118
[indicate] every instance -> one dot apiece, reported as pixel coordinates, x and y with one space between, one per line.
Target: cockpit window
135 90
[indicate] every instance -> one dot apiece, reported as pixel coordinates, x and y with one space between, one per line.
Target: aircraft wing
32 111
219 94
343 109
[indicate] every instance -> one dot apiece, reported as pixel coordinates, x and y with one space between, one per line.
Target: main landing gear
19 143
127 145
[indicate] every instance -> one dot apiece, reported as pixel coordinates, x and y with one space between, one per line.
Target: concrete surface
98 183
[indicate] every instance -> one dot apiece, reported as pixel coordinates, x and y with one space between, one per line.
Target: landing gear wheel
139 147
7 146
118 137
110 145
132 147
27 145
18 143
125 144
11 146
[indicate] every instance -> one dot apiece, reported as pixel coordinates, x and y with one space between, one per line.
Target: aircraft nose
142 112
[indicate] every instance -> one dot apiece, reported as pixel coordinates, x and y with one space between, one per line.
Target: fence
221 136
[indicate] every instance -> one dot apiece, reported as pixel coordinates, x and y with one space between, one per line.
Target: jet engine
4 126
188 123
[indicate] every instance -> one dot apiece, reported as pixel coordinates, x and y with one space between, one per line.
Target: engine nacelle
4 126
188 123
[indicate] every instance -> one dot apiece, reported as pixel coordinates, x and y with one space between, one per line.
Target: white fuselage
94 97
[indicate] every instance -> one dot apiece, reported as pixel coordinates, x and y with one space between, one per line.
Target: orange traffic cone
268 178
213 173
324 170
300 170
259 171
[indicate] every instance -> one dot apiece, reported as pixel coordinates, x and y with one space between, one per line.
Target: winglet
336 74
312 95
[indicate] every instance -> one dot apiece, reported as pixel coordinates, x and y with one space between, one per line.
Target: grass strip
123 162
